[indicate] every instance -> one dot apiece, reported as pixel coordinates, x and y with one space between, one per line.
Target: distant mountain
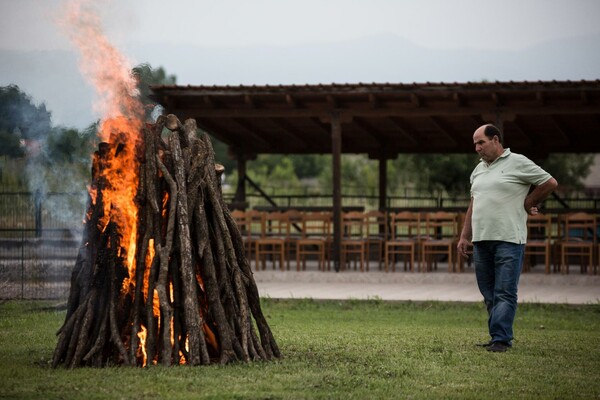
53 77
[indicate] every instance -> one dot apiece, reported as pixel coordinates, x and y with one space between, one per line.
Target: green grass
340 350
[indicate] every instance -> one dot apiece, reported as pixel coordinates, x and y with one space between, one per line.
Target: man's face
488 149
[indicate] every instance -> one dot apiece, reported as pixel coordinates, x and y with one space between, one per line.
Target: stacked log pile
191 298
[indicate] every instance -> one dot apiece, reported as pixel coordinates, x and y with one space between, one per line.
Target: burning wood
161 278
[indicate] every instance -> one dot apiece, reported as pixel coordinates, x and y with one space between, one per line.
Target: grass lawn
336 349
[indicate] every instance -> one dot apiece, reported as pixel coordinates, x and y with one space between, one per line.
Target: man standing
496 224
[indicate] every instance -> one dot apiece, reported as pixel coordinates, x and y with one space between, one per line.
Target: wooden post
240 192
336 150
382 183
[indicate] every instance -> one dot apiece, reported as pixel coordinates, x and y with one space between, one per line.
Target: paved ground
534 287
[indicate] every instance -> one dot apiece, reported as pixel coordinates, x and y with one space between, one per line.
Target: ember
161 276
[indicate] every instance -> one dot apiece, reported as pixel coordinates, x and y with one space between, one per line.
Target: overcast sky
304 41
444 24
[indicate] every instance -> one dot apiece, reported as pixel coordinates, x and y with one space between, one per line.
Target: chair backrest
316 224
255 220
239 216
376 223
276 224
441 225
295 221
353 225
539 227
578 226
405 225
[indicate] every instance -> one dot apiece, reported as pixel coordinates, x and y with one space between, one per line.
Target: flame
142 335
122 121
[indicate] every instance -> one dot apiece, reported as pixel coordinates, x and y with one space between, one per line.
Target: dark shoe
498 347
486 344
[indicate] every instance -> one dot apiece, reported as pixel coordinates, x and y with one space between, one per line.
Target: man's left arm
539 194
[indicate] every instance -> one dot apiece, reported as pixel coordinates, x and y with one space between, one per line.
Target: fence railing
40 234
36 265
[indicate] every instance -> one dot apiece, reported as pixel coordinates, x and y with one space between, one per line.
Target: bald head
488 142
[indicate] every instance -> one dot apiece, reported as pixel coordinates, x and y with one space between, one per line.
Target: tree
569 170
19 116
70 145
147 76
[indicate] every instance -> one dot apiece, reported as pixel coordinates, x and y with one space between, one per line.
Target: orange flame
142 335
122 121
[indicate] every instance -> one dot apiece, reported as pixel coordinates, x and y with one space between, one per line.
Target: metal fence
36 264
40 234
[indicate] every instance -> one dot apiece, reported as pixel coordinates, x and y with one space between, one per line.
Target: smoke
101 63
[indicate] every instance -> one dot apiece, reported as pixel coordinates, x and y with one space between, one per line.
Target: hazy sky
443 24
233 42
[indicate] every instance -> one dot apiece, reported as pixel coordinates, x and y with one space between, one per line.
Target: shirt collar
505 154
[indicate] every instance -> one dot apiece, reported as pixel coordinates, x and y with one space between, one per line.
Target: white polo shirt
498 191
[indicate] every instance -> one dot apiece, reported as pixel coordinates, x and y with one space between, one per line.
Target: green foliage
309 165
70 145
148 76
570 170
336 350
273 171
10 145
20 117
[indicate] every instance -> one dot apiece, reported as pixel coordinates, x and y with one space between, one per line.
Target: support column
240 191
382 183
336 152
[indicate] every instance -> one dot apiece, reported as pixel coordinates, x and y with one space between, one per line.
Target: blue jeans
497 269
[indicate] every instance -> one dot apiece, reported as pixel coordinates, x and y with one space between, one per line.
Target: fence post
37 201
22 264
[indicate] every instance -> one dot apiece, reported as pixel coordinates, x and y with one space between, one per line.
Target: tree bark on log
190 297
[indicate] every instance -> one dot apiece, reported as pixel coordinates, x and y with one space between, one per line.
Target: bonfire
161 276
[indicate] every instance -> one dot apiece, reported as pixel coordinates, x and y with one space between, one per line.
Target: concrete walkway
534 287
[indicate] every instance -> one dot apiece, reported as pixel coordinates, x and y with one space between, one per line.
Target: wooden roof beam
290 100
445 129
332 101
496 99
291 131
521 131
368 129
415 100
380 112
560 128
374 101
250 101
215 130
406 131
253 131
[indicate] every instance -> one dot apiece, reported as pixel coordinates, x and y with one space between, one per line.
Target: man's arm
539 194
467 232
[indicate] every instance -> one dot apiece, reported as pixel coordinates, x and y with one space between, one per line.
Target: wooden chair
441 236
295 233
539 241
376 223
404 239
315 240
274 235
239 216
354 240
577 239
